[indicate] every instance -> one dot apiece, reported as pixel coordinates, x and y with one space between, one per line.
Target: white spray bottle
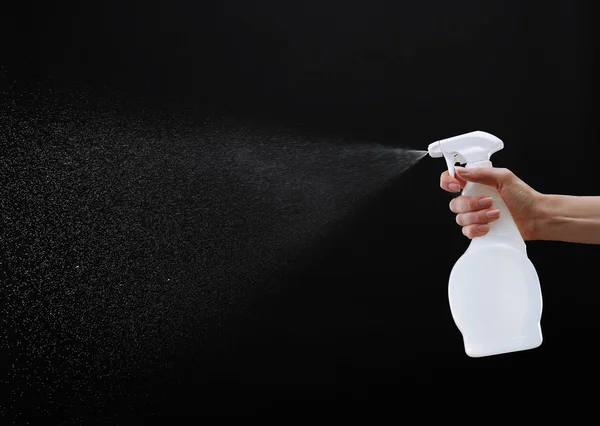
494 290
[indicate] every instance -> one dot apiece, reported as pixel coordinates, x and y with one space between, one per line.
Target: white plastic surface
494 290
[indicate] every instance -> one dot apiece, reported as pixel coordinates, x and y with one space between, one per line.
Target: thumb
491 176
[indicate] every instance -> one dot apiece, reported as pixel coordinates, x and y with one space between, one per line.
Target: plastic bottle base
517 344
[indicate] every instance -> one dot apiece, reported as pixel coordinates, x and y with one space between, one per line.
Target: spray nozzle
467 148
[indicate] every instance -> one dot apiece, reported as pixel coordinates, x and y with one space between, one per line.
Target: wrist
546 217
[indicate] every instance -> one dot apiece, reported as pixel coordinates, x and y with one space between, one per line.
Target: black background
368 319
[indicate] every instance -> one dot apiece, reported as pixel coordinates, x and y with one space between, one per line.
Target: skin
538 216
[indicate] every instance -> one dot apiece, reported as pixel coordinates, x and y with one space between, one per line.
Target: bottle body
494 290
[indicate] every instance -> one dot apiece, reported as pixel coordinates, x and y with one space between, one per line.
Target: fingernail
483 228
492 214
485 202
461 170
454 187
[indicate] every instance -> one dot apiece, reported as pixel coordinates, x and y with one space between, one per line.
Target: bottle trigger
449 162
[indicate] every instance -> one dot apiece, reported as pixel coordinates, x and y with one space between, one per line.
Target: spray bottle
494 290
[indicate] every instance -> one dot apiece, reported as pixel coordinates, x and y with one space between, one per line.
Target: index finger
447 182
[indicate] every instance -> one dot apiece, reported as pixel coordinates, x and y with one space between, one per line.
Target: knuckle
461 204
444 180
467 232
466 219
452 205
505 174
472 231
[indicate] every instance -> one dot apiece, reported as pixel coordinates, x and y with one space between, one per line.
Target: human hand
474 214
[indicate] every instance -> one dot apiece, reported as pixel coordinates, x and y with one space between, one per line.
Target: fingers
464 203
481 217
474 231
475 214
475 222
451 184
491 176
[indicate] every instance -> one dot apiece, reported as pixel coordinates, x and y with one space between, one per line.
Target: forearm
569 218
